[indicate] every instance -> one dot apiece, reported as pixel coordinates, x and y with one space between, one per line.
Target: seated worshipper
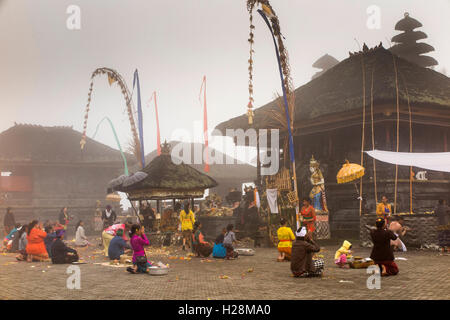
302 263
228 241
200 246
138 240
36 246
109 233
8 240
61 253
285 238
80 237
396 226
343 254
22 235
219 250
382 253
50 239
117 246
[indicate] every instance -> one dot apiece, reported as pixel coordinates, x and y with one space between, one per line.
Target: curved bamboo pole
114 76
271 19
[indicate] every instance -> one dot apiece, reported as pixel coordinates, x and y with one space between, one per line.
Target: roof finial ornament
165 148
406 15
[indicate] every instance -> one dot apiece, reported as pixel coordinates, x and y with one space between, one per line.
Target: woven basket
292 197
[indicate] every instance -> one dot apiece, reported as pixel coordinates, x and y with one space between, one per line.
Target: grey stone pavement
424 275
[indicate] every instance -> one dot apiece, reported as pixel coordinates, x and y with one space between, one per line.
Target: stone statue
317 193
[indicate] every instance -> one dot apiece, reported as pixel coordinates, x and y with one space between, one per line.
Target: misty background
45 68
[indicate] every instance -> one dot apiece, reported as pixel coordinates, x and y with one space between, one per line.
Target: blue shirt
48 241
116 248
11 234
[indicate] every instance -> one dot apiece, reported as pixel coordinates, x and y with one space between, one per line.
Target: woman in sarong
200 246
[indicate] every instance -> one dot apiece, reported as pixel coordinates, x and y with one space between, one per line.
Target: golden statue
317 193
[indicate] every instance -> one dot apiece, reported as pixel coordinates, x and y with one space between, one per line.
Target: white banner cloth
438 161
272 195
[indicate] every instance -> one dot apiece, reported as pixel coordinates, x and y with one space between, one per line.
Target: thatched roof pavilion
163 179
231 174
334 99
328 124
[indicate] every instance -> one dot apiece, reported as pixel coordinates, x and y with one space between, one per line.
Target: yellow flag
267 11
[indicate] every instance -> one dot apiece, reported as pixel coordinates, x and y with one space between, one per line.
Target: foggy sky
45 68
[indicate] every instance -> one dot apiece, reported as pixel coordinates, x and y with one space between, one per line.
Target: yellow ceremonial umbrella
350 172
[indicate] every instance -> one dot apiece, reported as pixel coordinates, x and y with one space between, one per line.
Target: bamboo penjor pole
272 23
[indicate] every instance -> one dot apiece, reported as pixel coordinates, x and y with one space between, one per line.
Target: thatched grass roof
164 174
239 171
339 90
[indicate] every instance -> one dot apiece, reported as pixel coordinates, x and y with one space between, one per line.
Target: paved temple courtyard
424 275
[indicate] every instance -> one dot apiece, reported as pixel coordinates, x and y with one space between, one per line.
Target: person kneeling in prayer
61 253
382 252
200 246
303 249
138 241
285 238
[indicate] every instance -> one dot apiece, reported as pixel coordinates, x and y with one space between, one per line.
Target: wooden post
258 163
445 140
388 137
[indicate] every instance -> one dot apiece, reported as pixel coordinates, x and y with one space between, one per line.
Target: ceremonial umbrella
350 172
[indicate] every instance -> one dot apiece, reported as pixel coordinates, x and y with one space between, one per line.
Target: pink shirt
137 244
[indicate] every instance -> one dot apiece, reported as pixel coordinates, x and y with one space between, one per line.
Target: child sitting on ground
343 254
7 241
22 235
219 250
80 237
228 241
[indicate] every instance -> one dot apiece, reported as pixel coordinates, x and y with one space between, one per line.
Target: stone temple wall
78 188
423 230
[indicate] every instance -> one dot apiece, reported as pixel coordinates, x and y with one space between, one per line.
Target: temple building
330 114
43 169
